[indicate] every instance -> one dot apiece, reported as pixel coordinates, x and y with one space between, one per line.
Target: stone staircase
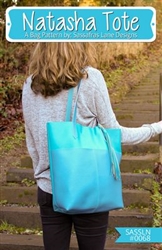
140 106
21 209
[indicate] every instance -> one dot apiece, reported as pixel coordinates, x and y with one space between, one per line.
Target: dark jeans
90 228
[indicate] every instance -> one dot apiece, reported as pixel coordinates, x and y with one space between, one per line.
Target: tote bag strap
69 104
69 101
115 164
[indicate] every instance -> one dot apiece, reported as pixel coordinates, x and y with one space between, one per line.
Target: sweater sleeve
31 147
28 119
107 118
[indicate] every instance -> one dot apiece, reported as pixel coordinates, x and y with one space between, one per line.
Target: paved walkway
141 104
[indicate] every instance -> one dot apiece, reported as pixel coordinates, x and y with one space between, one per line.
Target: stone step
125 121
146 103
146 147
131 112
129 163
26 161
29 217
142 148
134 124
143 117
129 106
35 242
28 196
142 97
146 87
144 91
19 175
133 163
137 180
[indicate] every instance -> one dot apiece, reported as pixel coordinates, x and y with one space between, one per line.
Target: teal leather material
84 167
69 104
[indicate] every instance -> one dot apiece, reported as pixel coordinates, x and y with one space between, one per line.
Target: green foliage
142 171
74 2
13 61
10 108
156 204
3 202
40 3
6 3
27 182
9 142
156 247
11 229
117 2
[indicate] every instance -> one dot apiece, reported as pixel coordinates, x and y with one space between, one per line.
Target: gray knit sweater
93 105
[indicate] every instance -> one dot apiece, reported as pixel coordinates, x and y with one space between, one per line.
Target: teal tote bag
84 165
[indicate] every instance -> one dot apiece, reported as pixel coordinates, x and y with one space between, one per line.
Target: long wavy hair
56 66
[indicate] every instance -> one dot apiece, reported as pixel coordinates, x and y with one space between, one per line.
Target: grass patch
28 183
9 142
11 229
138 207
3 202
156 199
142 171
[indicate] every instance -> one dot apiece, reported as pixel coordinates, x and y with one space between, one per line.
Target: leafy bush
13 66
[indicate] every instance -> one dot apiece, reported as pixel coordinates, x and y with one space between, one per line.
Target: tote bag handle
113 157
69 104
